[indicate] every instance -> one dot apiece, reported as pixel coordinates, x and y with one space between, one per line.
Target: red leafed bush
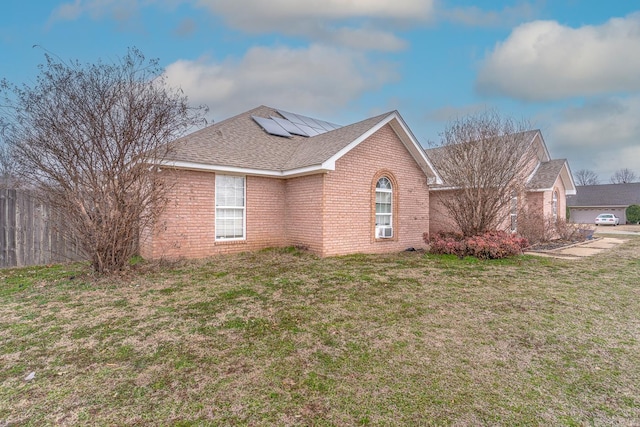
490 245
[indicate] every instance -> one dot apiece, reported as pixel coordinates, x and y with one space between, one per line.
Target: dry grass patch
282 337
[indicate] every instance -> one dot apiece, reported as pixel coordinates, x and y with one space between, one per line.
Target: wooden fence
31 233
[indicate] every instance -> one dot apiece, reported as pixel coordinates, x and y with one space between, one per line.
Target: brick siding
350 203
329 214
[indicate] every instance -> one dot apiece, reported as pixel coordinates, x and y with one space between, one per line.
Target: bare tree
623 176
587 177
483 160
7 168
87 137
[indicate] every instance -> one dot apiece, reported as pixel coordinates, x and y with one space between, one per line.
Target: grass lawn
281 337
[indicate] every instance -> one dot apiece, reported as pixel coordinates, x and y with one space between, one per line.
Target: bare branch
484 160
587 177
623 176
87 136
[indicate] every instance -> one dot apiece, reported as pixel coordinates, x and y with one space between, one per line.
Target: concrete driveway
604 237
620 229
582 249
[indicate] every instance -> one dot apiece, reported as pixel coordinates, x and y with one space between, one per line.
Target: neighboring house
592 200
546 183
270 178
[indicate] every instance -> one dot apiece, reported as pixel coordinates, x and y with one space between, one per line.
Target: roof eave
406 137
597 206
290 173
567 192
570 190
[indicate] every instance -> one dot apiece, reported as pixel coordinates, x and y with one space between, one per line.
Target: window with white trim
514 213
554 205
384 209
230 207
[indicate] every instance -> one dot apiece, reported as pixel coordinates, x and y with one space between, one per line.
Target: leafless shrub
485 159
88 136
571 232
537 228
533 227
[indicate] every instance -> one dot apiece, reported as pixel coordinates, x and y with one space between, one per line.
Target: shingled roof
545 176
240 144
605 195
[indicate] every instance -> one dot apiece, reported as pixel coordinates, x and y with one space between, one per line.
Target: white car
607 219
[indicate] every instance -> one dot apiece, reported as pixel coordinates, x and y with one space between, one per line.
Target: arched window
554 205
384 208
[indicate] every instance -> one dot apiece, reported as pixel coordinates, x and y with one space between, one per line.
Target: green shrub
633 214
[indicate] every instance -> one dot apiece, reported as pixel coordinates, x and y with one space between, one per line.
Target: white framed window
554 205
384 209
230 207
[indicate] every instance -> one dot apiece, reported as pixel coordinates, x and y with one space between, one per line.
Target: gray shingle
434 154
546 174
606 195
240 142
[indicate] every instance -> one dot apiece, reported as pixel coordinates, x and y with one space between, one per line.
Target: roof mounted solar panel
310 126
271 127
328 126
291 117
308 129
311 122
289 126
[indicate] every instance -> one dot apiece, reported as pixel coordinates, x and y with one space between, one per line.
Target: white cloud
67 11
602 135
474 16
120 10
260 15
361 24
186 27
450 113
362 39
318 78
612 122
544 60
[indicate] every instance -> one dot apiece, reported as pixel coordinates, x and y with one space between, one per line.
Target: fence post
32 233
10 228
4 228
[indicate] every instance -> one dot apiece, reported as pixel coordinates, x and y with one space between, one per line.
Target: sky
570 68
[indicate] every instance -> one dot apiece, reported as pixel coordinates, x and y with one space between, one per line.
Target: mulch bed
553 244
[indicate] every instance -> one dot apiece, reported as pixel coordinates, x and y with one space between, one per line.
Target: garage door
588 215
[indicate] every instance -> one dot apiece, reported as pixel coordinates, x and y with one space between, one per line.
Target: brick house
270 178
546 183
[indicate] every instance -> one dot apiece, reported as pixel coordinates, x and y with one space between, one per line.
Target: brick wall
439 217
266 210
304 212
558 186
350 198
329 214
187 226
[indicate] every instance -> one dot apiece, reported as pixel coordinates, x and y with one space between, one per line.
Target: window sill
230 242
